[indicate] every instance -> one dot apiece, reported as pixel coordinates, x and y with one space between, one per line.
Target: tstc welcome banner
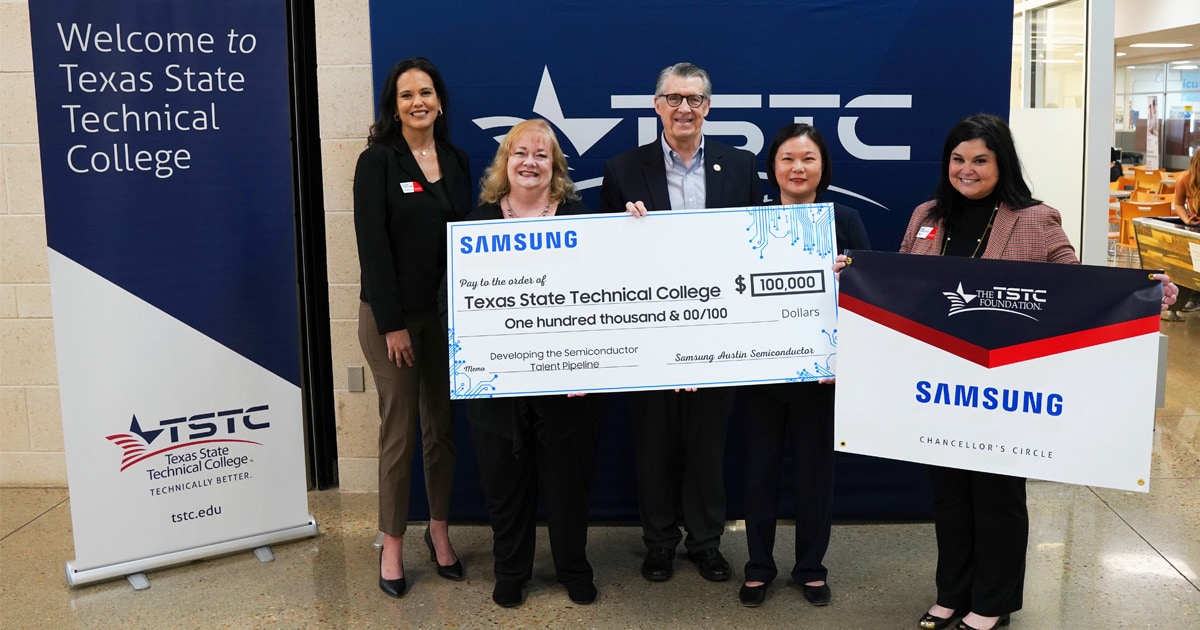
1026 369
165 149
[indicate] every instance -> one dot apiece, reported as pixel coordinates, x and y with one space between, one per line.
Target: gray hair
685 70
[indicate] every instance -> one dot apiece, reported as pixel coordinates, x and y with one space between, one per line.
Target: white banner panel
162 460
944 361
611 302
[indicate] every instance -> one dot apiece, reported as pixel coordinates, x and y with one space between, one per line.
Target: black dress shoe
933 622
659 564
753 596
817 595
450 571
713 566
395 588
508 594
582 592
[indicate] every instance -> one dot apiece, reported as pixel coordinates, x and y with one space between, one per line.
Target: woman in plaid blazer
983 208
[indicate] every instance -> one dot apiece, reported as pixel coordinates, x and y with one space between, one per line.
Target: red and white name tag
411 187
927 232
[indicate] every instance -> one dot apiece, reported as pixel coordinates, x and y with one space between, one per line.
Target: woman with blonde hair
1187 208
528 445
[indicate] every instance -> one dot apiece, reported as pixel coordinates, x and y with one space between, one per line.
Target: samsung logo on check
519 242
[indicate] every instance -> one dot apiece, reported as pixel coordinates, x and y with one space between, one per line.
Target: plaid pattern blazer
1032 234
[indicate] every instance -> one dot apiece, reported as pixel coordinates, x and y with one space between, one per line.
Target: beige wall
346 94
31 444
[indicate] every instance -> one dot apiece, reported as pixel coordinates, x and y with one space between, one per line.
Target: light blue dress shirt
685 184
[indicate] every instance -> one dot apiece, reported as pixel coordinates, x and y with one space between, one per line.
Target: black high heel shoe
933 622
450 572
1001 622
396 588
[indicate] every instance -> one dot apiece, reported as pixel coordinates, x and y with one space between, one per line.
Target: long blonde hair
1193 183
494 184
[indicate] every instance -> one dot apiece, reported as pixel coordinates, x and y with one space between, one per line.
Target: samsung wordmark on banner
166 163
999 366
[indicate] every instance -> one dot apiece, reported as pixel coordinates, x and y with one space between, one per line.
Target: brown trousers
409 396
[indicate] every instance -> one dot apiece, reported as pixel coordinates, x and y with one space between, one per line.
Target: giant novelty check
609 302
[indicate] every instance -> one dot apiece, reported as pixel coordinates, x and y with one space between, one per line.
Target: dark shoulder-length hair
1011 189
796 130
386 127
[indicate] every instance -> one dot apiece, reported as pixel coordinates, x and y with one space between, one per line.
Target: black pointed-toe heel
395 588
451 571
933 622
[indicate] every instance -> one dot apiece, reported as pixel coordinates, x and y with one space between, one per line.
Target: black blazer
730 178
505 416
402 235
848 228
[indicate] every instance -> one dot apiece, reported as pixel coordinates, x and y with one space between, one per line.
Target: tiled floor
1097 559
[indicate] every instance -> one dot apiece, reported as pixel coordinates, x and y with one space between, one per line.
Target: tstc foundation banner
1026 369
165 148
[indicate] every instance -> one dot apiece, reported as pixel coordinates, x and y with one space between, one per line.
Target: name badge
927 232
411 187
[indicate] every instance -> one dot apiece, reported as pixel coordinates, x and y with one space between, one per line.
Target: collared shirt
685 184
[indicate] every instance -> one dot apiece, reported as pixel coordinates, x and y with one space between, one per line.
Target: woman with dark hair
983 209
795 415
528 445
409 182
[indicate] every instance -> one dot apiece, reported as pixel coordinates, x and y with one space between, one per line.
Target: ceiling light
1121 54
1191 67
1159 45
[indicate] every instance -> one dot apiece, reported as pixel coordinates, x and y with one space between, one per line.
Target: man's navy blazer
730 178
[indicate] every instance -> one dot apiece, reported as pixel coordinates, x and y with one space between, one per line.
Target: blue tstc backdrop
884 81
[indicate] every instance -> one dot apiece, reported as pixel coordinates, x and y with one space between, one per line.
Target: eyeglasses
675 100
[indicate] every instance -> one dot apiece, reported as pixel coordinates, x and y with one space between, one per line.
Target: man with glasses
679 437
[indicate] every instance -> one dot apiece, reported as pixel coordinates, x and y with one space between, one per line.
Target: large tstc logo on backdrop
584 133
181 432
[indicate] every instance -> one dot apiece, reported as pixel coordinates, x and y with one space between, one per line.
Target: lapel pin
717 167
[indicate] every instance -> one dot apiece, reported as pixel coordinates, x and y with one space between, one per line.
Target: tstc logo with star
583 134
185 431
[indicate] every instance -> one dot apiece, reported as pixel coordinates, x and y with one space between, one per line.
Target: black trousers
679 440
796 417
982 526
557 456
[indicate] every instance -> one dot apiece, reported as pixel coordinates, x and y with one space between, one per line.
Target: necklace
423 152
978 242
508 211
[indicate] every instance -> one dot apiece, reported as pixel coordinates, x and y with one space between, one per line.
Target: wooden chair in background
1146 180
1131 210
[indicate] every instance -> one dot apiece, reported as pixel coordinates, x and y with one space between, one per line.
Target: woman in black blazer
531 443
409 182
795 415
